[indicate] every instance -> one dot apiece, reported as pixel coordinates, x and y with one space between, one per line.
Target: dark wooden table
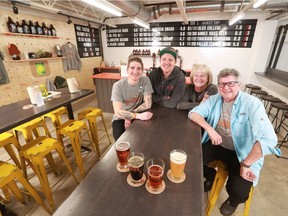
13 114
105 191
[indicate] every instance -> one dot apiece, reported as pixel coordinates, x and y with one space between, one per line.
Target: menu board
88 41
210 33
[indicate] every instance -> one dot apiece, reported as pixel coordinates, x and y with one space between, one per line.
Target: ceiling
149 10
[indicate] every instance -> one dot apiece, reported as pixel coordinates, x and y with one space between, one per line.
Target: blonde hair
205 69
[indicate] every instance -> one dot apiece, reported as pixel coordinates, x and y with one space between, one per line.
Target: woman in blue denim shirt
238 132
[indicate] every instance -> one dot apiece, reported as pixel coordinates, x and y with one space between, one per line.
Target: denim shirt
249 123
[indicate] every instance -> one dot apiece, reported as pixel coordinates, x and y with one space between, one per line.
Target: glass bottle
26 28
11 25
19 27
53 30
38 28
45 29
32 27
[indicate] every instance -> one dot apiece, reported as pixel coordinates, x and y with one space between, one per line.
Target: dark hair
135 59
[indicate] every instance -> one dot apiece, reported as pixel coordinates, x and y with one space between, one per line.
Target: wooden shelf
35 60
28 35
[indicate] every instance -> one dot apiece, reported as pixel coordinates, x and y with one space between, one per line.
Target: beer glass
122 150
136 167
177 164
155 167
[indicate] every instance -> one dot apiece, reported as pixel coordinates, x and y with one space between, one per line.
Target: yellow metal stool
91 115
8 174
30 128
218 184
6 139
73 129
34 153
56 115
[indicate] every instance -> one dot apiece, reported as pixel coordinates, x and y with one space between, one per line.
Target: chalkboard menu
211 33
88 41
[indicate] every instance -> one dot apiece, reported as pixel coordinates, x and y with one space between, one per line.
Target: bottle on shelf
53 30
19 27
11 25
45 29
32 27
26 28
39 29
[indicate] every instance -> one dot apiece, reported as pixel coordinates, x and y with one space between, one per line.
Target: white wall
246 60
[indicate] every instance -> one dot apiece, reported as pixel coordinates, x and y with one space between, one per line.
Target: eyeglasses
229 84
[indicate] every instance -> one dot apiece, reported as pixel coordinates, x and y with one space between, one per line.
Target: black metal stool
281 108
258 93
251 87
285 127
268 99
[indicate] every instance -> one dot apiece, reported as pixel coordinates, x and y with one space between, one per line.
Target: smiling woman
3 74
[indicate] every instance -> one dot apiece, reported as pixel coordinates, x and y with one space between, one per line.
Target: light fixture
69 21
15 9
140 23
259 3
104 7
236 18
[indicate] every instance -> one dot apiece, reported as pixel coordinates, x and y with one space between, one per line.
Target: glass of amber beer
177 165
155 183
122 150
136 166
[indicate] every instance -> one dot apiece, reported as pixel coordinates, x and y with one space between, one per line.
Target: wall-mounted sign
88 41
211 33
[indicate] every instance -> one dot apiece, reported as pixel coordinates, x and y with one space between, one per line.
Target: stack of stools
71 129
284 126
9 173
91 115
268 99
218 184
250 87
258 93
280 109
35 150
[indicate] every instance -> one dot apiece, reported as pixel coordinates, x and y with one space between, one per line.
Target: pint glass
136 166
122 150
155 167
177 163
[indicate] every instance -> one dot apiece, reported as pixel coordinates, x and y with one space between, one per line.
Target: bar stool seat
250 87
281 108
6 139
258 93
8 174
91 115
218 184
267 99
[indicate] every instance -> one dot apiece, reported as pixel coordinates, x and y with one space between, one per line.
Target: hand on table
127 123
144 115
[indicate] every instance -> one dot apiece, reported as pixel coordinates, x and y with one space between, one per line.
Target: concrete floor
269 198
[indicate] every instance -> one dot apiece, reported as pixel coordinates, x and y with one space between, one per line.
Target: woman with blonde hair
200 88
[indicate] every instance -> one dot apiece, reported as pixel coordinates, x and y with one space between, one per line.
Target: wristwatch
244 165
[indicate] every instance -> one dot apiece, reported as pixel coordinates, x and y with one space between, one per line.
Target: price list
212 33
88 41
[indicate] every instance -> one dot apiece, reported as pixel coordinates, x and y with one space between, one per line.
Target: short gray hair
228 72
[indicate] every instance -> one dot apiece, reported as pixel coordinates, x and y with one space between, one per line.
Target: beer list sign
88 42
210 33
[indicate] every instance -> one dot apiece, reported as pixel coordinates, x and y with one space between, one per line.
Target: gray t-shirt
131 96
224 128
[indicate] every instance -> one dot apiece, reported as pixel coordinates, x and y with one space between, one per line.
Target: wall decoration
40 68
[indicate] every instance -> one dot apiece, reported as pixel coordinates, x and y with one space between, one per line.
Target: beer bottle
19 28
53 30
45 29
25 26
32 27
38 28
11 25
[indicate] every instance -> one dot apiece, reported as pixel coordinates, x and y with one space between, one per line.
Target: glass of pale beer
136 168
177 165
155 168
122 150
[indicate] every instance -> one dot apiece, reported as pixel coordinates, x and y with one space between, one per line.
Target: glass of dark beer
136 167
122 150
155 167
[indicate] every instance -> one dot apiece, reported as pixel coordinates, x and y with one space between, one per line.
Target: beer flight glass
122 150
155 168
136 177
177 165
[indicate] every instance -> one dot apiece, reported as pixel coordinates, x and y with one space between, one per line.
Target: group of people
236 127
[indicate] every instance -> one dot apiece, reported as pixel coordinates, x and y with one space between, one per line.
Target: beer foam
178 157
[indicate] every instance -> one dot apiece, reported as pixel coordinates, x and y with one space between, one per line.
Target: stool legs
248 202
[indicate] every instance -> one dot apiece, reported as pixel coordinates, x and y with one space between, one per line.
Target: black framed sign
88 41
210 33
